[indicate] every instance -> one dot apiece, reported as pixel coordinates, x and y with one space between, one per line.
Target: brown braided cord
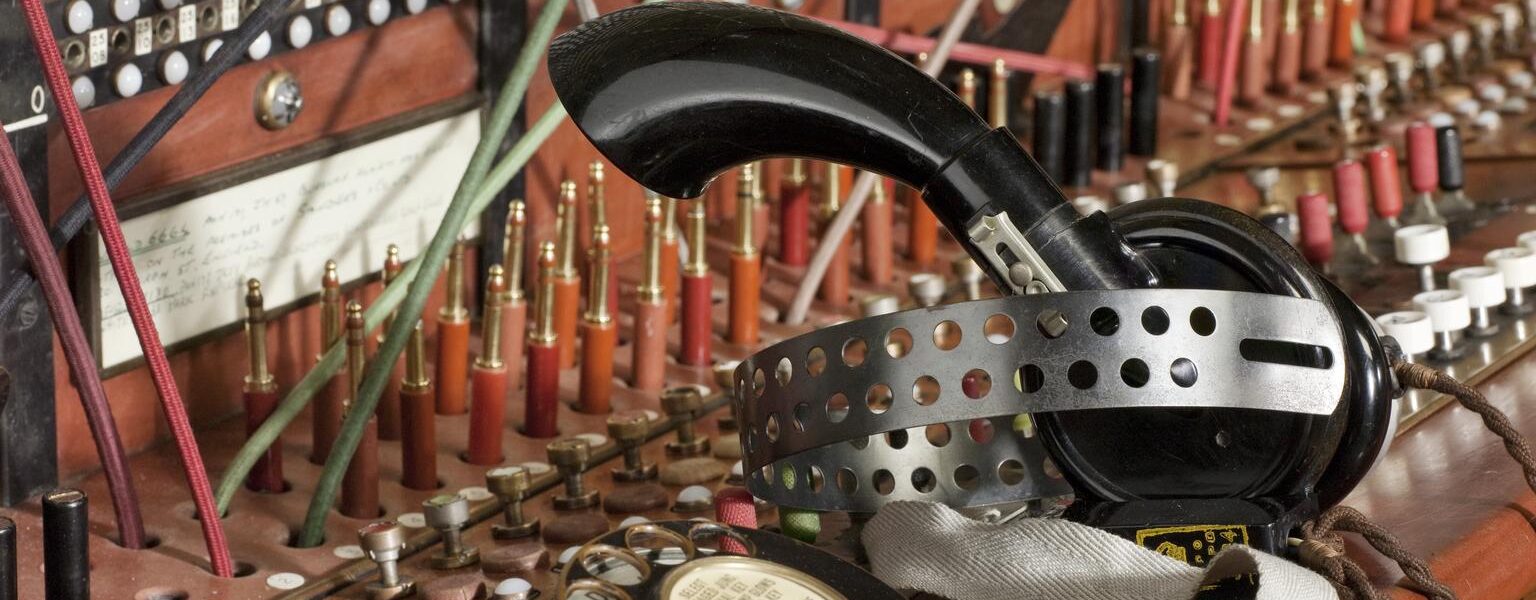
1322 549
1420 376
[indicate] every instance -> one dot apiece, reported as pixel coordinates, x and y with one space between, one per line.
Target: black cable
79 213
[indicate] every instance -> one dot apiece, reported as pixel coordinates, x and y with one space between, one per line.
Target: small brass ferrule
597 267
758 193
650 287
1213 8
392 268
668 219
490 322
967 91
1319 10
1256 22
697 265
454 310
512 249
330 305
832 191
260 379
356 352
997 107
565 225
1181 13
1292 17
746 184
544 331
416 378
597 195
796 174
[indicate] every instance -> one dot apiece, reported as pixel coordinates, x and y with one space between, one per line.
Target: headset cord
1323 550
74 219
127 279
77 351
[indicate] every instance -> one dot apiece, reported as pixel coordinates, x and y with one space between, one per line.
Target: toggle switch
1421 246
510 485
570 456
1484 289
1449 313
448 514
1518 268
1412 330
630 431
685 403
384 542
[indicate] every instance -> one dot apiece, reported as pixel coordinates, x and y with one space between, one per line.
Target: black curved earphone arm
676 93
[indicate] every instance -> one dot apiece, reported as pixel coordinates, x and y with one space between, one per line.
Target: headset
676 93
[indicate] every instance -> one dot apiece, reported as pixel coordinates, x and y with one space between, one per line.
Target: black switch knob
1050 130
1077 160
1453 176
1109 87
66 560
1146 80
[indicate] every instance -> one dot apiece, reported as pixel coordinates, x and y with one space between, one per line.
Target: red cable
77 351
128 280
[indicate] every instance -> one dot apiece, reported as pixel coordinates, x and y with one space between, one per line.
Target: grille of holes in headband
924 404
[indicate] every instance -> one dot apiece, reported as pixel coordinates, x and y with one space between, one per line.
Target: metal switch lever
448 514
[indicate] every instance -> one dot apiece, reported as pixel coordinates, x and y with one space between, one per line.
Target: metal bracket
1004 247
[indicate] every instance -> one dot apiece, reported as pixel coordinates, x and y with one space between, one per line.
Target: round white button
633 520
694 494
415 6
566 554
1483 286
737 470
378 11
285 581
211 47
1493 93
512 586
169 4
1527 239
593 439
125 10
1411 329
1441 119
348 551
337 20
174 67
1421 244
85 91
300 32
79 17
1447 309
261 47
536 468
128 80
414 520
1488 119
1516 265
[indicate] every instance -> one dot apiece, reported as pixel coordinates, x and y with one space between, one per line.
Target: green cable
502 114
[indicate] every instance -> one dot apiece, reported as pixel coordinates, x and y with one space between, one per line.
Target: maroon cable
77 351
128 280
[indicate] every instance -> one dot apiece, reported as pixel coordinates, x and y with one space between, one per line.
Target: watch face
739 577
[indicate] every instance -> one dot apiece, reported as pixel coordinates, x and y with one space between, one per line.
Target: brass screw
570 457
685 402
630 430
510 485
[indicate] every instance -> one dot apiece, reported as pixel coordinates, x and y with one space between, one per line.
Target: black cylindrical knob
66 560
1146 79
7 559
1050 130
1109 88
1453 176
1078 142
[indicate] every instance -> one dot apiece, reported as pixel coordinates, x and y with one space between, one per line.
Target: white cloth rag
928 547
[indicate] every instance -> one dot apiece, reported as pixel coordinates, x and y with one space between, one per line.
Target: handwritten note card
194 258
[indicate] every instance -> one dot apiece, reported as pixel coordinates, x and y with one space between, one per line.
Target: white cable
838 229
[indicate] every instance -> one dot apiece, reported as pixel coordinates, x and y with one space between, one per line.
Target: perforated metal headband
925 382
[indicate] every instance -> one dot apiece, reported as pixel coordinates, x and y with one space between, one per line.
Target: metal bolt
383 542
510 485
570 457
630 430
448 514
684 402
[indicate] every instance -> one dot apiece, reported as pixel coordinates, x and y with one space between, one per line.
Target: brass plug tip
253 293
595 171
496 284
602 238
519 214
355 316
568 192
331 279
968 78
796 172
547 255
999 68
653 211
